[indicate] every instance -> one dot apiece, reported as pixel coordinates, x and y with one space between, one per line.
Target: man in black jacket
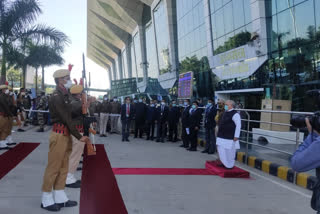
195 119
140 113
173 119
210 125
150 119
163 112
185 120
127 112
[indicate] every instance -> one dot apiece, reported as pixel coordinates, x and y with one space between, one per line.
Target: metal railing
246 139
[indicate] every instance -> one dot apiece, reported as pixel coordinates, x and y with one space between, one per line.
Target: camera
298 121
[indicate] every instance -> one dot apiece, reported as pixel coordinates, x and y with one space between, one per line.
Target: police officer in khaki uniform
77 146
54 180
5 117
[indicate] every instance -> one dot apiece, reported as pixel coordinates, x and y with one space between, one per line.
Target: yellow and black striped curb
285 173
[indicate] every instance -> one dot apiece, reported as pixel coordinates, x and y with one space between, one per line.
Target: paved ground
20 190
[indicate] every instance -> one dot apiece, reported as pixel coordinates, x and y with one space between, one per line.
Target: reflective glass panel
228 18
305 23
238 13
286 32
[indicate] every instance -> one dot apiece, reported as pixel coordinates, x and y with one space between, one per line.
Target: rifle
87 125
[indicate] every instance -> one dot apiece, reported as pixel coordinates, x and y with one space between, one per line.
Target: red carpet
100 193
11 158
226 173
160 171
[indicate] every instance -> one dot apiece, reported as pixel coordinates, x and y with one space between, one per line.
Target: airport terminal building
247 50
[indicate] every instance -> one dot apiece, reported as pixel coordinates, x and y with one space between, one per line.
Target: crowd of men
156 120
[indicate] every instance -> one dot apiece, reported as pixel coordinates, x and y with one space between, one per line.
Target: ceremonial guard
54 180
5 117
77 146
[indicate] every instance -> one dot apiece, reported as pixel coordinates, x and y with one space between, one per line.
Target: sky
70 17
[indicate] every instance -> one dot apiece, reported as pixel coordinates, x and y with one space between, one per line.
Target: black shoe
210 153
122 140
81 161
40 130
79 168
68 204
52 208
182 146
11 144
127 140
151 138
5 148
205 151
192 149
20 130
162 141
76 184
148 138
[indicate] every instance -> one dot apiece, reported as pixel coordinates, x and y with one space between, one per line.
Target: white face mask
116 100
11 93
68 84
163 103
106 99
6 91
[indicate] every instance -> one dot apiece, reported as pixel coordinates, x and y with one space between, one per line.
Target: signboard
237 63
185 89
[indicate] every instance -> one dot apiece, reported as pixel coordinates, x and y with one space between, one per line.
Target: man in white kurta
228 135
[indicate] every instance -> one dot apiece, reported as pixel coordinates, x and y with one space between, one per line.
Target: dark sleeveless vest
227 127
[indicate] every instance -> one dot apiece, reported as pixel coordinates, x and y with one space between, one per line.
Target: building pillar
110 74
114 70
120 66
128 55
143 47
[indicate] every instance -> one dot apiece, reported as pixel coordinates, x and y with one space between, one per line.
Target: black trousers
139 126
193 138
125 128
161 130
185 137
150 125
210 139
173 131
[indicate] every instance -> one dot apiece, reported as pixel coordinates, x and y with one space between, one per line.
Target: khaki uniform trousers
5 127
58 160
75 157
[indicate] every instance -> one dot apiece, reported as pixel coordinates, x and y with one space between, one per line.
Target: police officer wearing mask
185 120
151 119
210 125
163 112
173 119
140 116
194 124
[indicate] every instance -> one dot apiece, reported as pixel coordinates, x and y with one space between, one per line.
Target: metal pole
297 145
247 140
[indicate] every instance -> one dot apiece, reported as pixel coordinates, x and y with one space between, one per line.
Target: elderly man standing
60 147
228 135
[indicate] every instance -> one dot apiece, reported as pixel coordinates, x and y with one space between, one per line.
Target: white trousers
227 156
104 117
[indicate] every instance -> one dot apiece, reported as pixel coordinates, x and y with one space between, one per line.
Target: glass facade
231 24
138 57
191 27
162 33
133 61
153 71
293 66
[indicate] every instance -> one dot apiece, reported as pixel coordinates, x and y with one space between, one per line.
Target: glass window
228 18
161 30
211 2
286 31
284 4
153 71
238 13
274 34
317 16
214 28
217 4
219 23
299 1
247 11
274 7
304 15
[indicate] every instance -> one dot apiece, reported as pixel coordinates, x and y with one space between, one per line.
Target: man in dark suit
194 123
163 112
210 125
140 117
173 119
185 120
150 119
127 112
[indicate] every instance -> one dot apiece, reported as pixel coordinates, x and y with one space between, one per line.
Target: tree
17 17
13 76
